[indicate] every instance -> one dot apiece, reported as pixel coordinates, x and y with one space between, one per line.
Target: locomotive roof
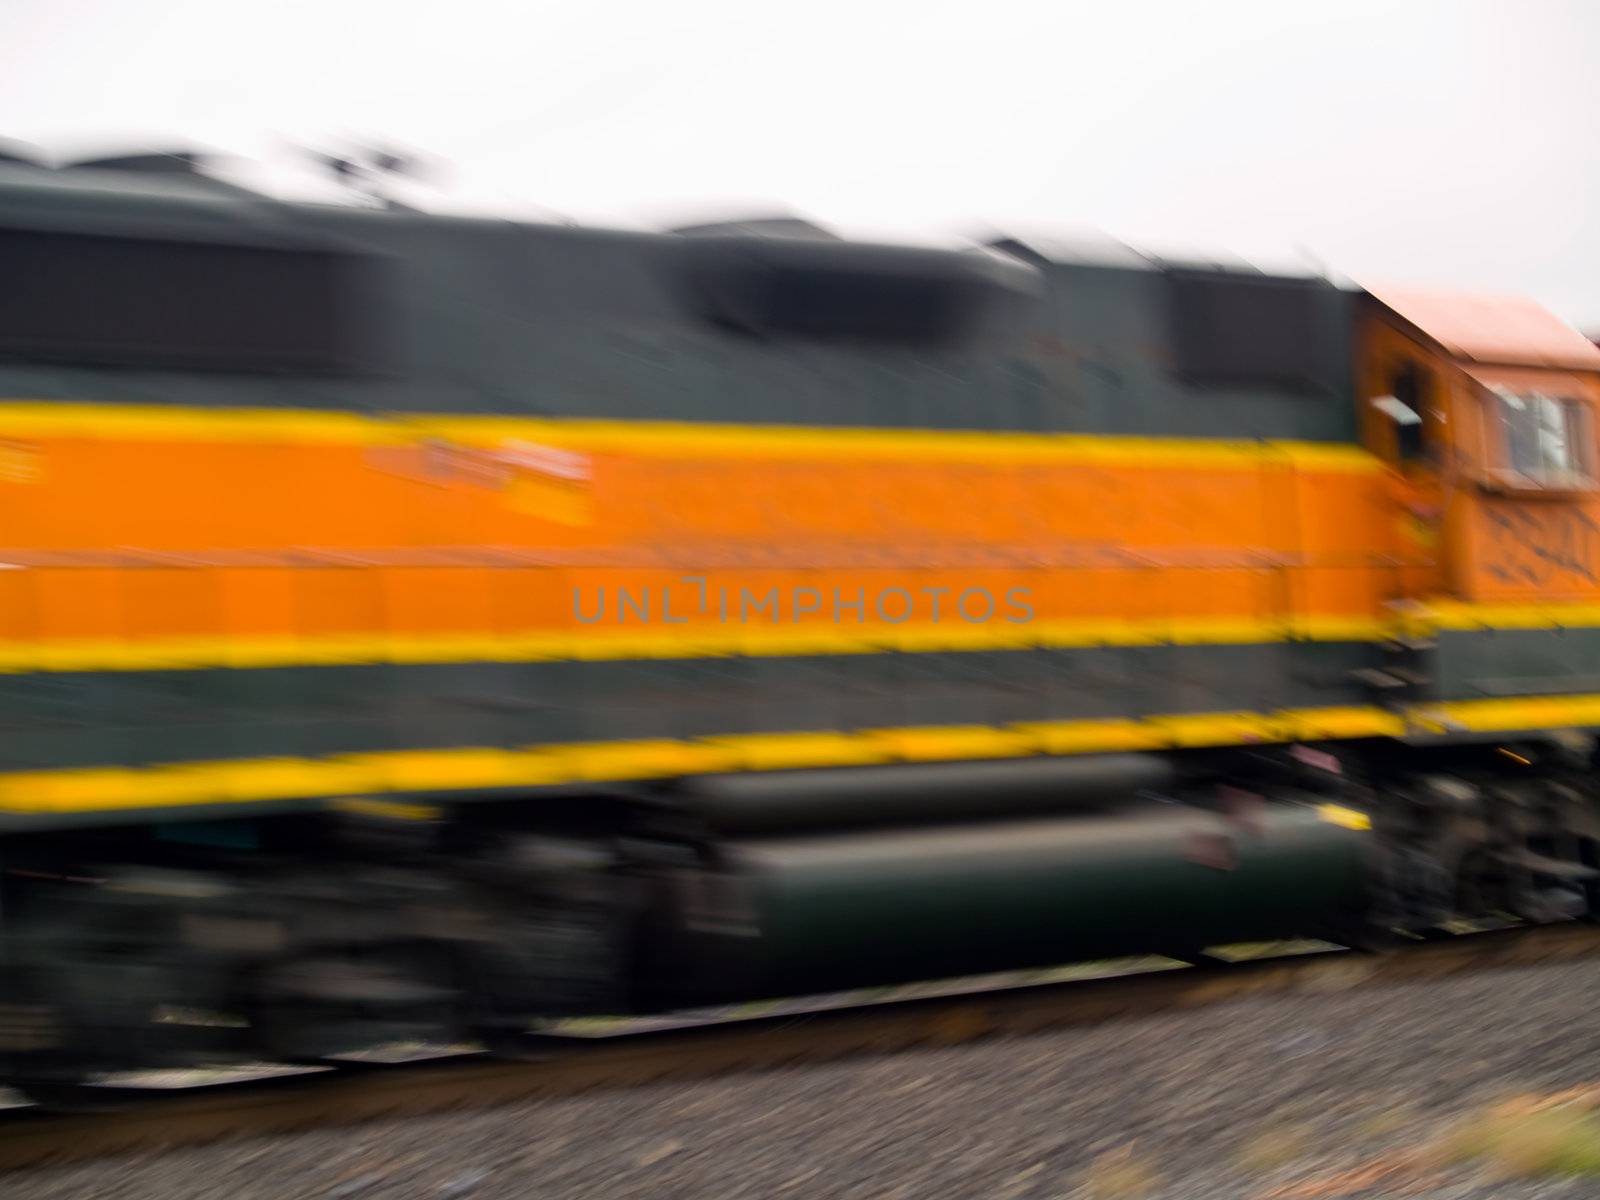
23 185
192 203
93 199
1506 330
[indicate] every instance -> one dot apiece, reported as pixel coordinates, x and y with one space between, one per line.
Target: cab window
1544 440
1404 405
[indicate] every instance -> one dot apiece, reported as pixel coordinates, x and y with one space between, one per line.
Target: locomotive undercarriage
288 954
1513 832
326 934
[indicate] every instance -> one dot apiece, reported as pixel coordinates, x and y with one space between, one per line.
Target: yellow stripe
1507 716
159 422
1454 615
89 789
1339 723
185 653
129 422
1338 814
802 441
935 742
790 751
86 789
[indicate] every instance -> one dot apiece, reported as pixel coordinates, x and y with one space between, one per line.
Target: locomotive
419 626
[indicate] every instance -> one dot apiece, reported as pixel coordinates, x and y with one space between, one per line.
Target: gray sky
1451 142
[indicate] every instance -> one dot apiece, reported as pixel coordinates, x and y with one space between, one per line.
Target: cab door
1405 421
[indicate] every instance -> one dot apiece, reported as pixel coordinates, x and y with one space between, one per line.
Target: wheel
94 973
311 1010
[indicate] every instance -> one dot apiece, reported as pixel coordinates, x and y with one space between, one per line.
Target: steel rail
164 1118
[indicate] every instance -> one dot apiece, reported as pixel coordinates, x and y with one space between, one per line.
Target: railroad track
168 1118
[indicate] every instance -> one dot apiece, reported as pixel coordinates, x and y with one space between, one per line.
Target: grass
1522 1138
1120 1175
1276 1148
1387 1123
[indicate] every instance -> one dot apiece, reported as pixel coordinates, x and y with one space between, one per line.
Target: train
426 627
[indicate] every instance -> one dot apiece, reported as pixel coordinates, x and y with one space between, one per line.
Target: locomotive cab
1484 413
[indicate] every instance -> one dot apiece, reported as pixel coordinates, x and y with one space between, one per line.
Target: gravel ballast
1267 1097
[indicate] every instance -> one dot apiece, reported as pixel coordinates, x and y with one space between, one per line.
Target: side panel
171 539
196 585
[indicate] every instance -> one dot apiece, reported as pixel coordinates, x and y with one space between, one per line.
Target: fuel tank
918 793
821 912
